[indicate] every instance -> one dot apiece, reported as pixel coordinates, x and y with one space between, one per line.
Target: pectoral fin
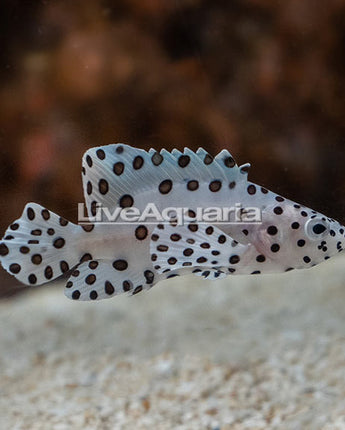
195 246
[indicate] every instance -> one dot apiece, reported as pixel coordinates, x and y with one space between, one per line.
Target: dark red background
263 79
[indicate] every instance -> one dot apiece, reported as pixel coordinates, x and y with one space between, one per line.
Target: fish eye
319 228
316 228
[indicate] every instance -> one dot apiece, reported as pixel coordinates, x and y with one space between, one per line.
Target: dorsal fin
244 169
112 171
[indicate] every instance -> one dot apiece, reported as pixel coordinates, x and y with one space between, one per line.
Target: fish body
216 223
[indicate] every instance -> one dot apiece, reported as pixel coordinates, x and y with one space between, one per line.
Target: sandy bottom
257 352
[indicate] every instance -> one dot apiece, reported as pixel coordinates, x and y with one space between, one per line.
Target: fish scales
105 258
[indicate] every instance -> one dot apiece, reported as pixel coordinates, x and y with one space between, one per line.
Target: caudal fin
39 246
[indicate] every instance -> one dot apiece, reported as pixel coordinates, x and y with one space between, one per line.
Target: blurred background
262 79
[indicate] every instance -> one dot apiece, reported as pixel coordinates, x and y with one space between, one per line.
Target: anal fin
103 279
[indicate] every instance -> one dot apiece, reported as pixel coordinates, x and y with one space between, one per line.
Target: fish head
296 237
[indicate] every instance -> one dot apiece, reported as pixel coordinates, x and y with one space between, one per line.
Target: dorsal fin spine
132 176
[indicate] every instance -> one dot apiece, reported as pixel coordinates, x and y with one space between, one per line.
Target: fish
262 232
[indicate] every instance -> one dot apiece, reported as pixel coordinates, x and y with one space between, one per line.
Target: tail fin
39 246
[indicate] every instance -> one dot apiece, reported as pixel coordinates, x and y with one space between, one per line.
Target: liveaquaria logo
151 214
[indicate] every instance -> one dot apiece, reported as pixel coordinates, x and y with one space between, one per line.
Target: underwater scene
172 215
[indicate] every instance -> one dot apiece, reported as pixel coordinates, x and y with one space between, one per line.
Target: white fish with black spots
107 259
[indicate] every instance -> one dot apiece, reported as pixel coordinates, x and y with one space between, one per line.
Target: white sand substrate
254 352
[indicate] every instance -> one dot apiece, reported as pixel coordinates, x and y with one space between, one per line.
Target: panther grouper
129 254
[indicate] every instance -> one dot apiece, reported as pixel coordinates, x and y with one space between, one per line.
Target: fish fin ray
211 274
113 171
99 279
175 247
39 246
